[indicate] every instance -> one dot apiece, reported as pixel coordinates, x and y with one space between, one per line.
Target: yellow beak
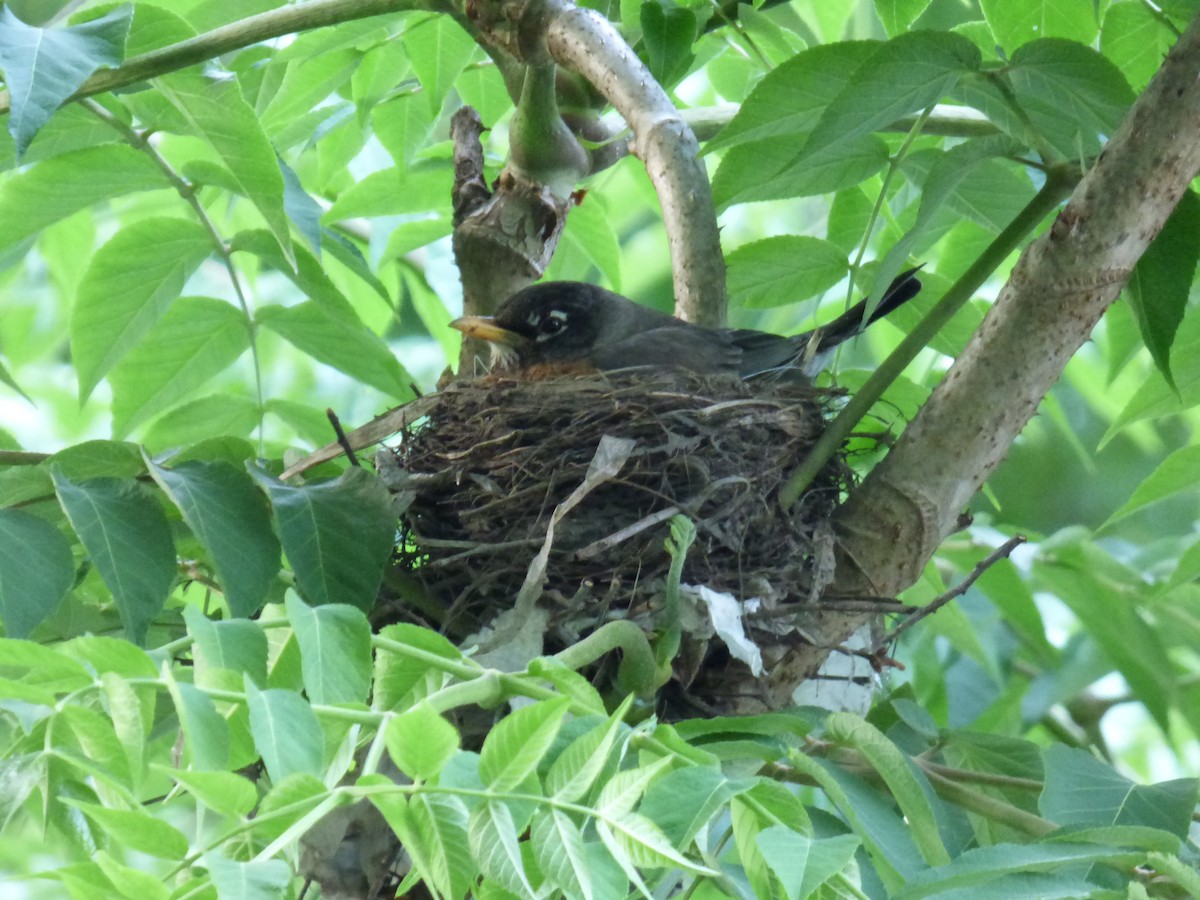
484 328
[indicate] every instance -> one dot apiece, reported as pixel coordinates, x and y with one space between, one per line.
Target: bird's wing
673 345
763 352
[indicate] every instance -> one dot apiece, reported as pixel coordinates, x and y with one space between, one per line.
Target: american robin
575 327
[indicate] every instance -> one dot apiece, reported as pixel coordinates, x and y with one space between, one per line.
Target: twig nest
499 462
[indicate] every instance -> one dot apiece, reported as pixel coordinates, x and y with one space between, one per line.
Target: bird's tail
903 288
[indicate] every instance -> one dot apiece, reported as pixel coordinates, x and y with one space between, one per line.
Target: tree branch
890 527
583 40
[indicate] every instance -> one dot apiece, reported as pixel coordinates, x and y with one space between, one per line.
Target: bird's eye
550 325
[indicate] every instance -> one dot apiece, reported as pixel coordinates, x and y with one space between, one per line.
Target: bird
570 327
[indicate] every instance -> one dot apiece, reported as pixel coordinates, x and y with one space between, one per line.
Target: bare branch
916 615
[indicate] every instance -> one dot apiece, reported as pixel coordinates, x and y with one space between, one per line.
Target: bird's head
559 321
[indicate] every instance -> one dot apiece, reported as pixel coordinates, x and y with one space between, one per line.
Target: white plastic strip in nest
726 614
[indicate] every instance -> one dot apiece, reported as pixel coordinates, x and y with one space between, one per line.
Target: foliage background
149 297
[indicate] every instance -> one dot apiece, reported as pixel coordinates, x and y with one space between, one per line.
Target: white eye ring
550 325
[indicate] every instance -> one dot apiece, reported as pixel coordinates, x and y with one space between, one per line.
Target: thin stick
343 441
1001 552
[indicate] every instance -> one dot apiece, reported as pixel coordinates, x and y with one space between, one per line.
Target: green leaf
585 699
559 850
128 538
287 803
634 837
110 654
483 88
1082 790
103 755
982 866
1017 22
423 188
347 252
307 83
515 746
205 730
403 125
433 830
285 730
1162 281
397 674
1178 473
1135 40
1119 835
783 269
335 651
154 27
6 378
438 50
97 459
259 879
36 570
40 665
127 288
623 791
196 338
589 234
947 183
1114 621
226 793
581 762
421 742
348 346
773 169
884 834
746 825
227 514
237 645
1188 567
409 236
50 191
667 33
308 275
849 215
792 97
494 845
85 880
1073 95
337 535
897 16
913 798
1184 873
44 66
216 415
801 863
125 709
216 113
133 884
906 75
684 801
137 830
381 69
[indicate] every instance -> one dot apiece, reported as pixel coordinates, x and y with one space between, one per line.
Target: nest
603 463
